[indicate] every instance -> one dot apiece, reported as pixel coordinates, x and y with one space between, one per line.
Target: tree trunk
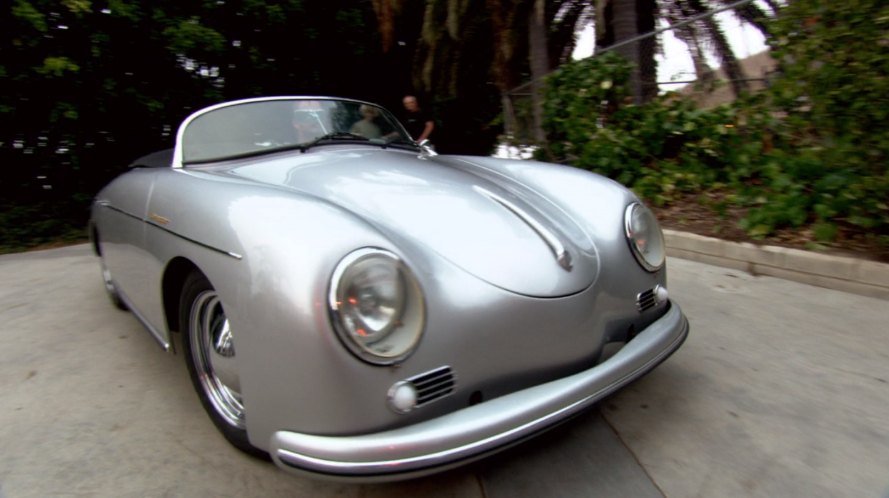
624 25
386 12
703 73
539 65
502 20
646 19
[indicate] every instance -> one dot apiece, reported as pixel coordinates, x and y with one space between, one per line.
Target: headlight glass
376 306
645 237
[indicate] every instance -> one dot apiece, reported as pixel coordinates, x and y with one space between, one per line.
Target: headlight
376 306
645 236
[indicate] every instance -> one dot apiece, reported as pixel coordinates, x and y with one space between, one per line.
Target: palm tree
706 33
753 15
565 19
674 14
620 21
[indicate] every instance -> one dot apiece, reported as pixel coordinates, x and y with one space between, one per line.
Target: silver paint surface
268 232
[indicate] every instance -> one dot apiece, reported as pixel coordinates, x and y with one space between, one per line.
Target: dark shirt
415 122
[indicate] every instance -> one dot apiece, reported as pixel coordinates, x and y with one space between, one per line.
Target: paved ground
781 390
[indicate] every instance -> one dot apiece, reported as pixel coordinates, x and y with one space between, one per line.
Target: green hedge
810 151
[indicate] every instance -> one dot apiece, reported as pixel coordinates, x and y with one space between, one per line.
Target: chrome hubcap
213 354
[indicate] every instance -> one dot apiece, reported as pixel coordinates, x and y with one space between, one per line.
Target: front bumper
473 432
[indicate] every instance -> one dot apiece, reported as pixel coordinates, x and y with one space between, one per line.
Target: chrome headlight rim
654 233
407 324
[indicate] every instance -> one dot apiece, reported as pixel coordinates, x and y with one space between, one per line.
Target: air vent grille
646 300
433 385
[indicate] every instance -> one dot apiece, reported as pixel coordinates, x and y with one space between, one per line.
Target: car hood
489 225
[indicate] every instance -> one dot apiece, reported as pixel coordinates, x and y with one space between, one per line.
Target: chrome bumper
473 432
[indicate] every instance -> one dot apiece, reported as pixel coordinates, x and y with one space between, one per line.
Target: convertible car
352 305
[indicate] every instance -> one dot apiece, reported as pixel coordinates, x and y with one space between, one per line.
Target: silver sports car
355 306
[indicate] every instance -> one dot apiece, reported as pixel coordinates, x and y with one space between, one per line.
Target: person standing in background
417 121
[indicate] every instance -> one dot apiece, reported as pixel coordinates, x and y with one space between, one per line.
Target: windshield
266 125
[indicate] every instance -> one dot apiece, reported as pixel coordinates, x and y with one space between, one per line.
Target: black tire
208 348
111 288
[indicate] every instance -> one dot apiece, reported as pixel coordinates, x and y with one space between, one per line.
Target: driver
308 120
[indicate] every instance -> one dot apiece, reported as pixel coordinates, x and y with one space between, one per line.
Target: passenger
366 127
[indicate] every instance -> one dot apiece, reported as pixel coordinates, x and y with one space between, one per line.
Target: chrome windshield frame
178 150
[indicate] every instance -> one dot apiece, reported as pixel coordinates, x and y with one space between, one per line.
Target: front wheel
209 350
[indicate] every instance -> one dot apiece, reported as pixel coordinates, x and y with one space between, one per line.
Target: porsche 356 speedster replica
353 305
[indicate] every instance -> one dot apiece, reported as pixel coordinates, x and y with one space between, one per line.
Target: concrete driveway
781 390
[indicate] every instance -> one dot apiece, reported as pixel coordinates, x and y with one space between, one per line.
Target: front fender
269 253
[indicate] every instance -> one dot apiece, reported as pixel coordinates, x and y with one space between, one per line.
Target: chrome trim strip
450 440
196 242
430 460
157 334
108 205
563 257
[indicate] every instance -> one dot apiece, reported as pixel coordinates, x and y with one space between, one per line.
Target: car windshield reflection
256 127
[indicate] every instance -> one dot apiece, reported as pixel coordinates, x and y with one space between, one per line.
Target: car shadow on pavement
581 457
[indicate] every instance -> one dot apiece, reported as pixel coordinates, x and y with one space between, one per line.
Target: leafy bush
812 150
32 225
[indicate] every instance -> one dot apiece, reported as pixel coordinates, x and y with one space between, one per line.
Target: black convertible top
159 159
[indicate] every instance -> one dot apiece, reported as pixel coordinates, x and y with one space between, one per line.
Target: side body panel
120 215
